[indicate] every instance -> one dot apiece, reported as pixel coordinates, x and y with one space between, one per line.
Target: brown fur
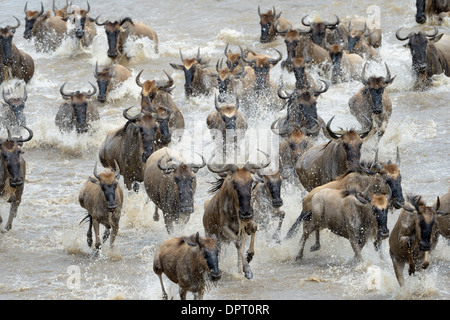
443 216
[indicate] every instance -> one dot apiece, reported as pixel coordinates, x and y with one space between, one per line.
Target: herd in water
349 197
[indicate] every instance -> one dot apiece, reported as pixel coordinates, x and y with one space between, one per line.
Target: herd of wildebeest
348 196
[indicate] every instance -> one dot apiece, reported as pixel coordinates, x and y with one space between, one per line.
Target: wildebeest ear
437 38
177 66
93 180
437 205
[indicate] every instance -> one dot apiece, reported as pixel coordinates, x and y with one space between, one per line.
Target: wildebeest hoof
249 274
136 187
249 256
411 270
164 296
299 257
425 265
315 247
156 217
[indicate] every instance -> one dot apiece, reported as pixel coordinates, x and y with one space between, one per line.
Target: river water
45 255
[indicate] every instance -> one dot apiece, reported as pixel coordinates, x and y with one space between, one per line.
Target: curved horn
332 134
165 85
275 61
304 21
397 159
100 23
166 169
138 79
216 103
222 169
226 49
65 95
25 95
96 70
365 134
280 132
317 92
95 171
363 75
333 25
117 170
130 118
397 34
88 7
181 56
4 97
435 32
388 79
15 27
196 167
26 5
42 10
198 55
280 94
89 94
251 167
30 135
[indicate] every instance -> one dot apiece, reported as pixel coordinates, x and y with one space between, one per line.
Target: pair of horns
71 94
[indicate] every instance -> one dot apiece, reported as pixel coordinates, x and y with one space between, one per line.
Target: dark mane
363 168
122 130
216 185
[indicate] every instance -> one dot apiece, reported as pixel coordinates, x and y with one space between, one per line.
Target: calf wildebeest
346 66
384 178
229 213
80 26
171 184
359 42
414 235
131 145
156 97
430 55
271 25
301 112
102 197
321 29
15 63
267 201
118 32
323 163
228 122
188 261
371 105
198 78
77 114
443 216
46 30
349 214
60 12
109 78
427 9
12 172
11 112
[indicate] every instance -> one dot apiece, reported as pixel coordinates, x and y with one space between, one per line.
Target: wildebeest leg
183 293
316 245
356 247
398 269
168 222
156 214
135 187
162 286
106 234
96 231
251 229
308 227
12 214
305 215
412 265
245 266
115 230
280 214
89 232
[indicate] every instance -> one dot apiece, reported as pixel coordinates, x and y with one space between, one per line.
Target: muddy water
46 248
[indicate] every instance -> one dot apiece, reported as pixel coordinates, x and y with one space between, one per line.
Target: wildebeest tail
87 217
305 215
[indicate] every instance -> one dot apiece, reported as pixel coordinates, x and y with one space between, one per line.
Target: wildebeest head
420 11
17 105
79 103
262 64
227 113
191 68
302 108
60 12
210 252
292 41
425 223
108 182
267 22
375 86
336 52
11 155
30 19
272 183
233 59
355 36
351 142
183 175
113 31
146 125
150 89
318 28
418 44
239 181
225 76
78 18
104 78
6 37
391 174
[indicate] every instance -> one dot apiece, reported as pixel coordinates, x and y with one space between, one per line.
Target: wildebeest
77 114
79 25
349 214
102 197
156 97
371 105
267 200
430 55
131 145
46 30
359 42
323 163
12 172
346 66
118 32
414 235
272 24
229 213
321 29
109 78
60 12
228 122
198 78
188 261
301 111
233 83
11 112
171 184
443 216
426 9
15 63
